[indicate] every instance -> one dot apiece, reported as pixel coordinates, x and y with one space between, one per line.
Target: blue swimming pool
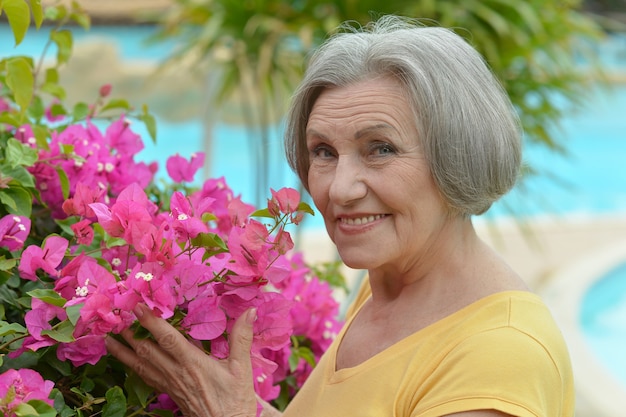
603 319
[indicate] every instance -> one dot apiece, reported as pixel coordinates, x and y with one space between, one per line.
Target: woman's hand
199 384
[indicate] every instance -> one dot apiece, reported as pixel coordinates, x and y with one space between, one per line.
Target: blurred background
218 75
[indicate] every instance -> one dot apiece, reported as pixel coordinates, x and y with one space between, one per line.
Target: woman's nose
348 183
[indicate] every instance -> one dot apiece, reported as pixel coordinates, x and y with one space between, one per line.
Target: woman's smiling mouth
360 221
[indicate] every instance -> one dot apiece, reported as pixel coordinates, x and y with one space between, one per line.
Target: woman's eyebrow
359 133
375 128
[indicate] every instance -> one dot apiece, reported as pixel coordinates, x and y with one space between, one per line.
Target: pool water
603 319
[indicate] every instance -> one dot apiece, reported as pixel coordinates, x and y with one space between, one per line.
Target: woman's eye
322 152
384 149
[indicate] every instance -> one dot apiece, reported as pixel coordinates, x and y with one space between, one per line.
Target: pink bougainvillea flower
67 283
204 320
47 259
186 225
179 169
37 320
283 241
285 199
249 252
26 385
148 282
239 211
164 402
25 135
273 327
121 138
13 231
78 205
98 316
264 385
129 217
85 349
4 105
83 232
189 278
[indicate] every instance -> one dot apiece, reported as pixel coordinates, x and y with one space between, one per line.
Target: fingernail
251 316
138 310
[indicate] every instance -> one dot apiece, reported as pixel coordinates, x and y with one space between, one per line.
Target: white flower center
146 276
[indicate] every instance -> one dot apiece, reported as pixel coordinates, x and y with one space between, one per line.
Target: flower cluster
87 234
20 387
199 259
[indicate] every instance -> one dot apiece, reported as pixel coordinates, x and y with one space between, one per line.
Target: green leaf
306 208
41 133
64 41
17 200
42 408
55 13
62 332
73 312
19 18
209 240
36 109
79 16
207 217
116 403
54 90
20 81
301 352
48 296
52 75
115 241
151 126
8 119
138 390
25 410
19 174
37 11
262 213
7 264
18 153
11 328
116 104
80 112
65 182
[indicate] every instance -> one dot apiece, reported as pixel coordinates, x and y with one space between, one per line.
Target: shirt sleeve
501 369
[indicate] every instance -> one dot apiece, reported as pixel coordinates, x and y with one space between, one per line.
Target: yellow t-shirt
503 352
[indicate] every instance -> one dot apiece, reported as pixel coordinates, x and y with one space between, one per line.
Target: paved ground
118 10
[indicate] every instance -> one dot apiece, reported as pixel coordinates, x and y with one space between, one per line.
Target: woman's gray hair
468 128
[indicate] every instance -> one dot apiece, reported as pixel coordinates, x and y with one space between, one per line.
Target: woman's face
369 178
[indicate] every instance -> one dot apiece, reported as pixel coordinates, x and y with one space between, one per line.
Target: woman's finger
241 341
136 361
168 338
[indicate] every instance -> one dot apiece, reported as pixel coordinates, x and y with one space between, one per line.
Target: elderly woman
400 133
